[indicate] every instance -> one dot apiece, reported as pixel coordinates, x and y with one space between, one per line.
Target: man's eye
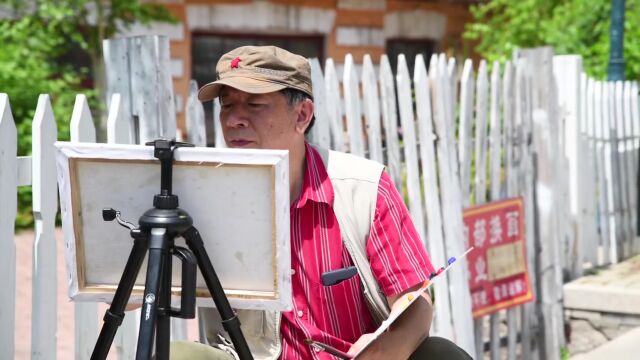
256 105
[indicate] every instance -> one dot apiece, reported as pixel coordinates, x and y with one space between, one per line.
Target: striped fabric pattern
338 315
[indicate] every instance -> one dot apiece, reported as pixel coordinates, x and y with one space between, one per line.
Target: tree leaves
569 26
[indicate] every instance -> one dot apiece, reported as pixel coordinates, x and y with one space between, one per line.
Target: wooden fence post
332 90
86 313
539 73
352 107
194 114
320 133
567 71
45 206
371 109
8 206
405 103
138 69
435 241
451 203
390 121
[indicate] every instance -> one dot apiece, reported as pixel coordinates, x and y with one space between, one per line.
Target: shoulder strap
355 186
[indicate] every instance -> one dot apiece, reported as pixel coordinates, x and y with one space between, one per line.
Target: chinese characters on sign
498 275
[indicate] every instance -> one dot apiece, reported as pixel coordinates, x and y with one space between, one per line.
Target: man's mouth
239 143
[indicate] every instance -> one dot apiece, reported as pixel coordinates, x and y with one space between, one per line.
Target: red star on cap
234 63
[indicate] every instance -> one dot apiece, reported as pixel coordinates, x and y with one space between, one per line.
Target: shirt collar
316 186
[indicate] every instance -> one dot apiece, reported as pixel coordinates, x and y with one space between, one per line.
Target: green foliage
569 26
34 39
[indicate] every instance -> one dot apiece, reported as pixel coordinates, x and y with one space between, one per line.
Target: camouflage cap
259 70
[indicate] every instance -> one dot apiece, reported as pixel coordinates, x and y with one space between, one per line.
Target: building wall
358 27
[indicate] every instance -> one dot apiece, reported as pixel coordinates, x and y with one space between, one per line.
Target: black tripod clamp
163 150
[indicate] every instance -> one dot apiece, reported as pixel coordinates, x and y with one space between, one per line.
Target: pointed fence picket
45 204
407 119
390 121
352 109
86 313
371 109
8 206
435 239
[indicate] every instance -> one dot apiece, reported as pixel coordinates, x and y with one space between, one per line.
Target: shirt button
300 313
293 271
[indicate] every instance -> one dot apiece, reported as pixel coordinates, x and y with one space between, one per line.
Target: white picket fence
566 144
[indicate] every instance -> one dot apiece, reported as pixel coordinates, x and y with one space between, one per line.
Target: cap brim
252 86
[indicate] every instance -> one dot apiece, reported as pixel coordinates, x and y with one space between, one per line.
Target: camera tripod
156 233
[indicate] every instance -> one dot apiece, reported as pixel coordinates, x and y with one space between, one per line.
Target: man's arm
405 334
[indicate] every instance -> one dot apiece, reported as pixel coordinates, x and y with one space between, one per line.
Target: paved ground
65 334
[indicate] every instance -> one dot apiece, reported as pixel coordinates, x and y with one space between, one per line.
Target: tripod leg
230 320
158 254
163 328
114 315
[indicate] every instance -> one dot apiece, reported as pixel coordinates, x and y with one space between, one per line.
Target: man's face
257 121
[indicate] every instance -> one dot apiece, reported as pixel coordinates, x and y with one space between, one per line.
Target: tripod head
163 151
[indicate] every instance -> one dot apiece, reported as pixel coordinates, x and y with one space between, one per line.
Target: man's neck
297 165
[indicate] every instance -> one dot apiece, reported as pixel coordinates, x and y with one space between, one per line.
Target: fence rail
535 127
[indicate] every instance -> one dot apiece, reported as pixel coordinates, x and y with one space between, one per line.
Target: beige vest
355 185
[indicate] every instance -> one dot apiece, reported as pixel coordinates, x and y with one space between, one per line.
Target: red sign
498 275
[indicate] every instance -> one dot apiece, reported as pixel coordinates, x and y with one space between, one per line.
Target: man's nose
236 118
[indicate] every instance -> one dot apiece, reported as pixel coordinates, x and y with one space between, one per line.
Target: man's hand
404 335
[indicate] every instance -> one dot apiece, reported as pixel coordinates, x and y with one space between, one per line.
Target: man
266 103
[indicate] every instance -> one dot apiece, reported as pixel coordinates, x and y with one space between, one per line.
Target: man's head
265 97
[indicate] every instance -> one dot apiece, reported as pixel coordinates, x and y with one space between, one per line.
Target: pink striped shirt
338 315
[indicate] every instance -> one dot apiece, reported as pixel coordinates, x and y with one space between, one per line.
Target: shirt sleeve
398 257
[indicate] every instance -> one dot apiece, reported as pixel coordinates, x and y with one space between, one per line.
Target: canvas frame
255 184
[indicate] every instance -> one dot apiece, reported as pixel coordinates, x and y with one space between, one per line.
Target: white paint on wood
119 129
495 134
117 74
371 109
623 181
588 174
219 141
86 314
548 192
435 240
601 171
467 92
390 121
82 127
320 133
631 163
172 31
334 107
45 206
352 107
452 205
495 161
407 119
482 93
196 129
152 88
567 70
8 206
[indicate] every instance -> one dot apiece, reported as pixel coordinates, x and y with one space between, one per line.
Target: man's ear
305 114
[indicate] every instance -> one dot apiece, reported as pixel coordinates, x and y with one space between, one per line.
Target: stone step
612 290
